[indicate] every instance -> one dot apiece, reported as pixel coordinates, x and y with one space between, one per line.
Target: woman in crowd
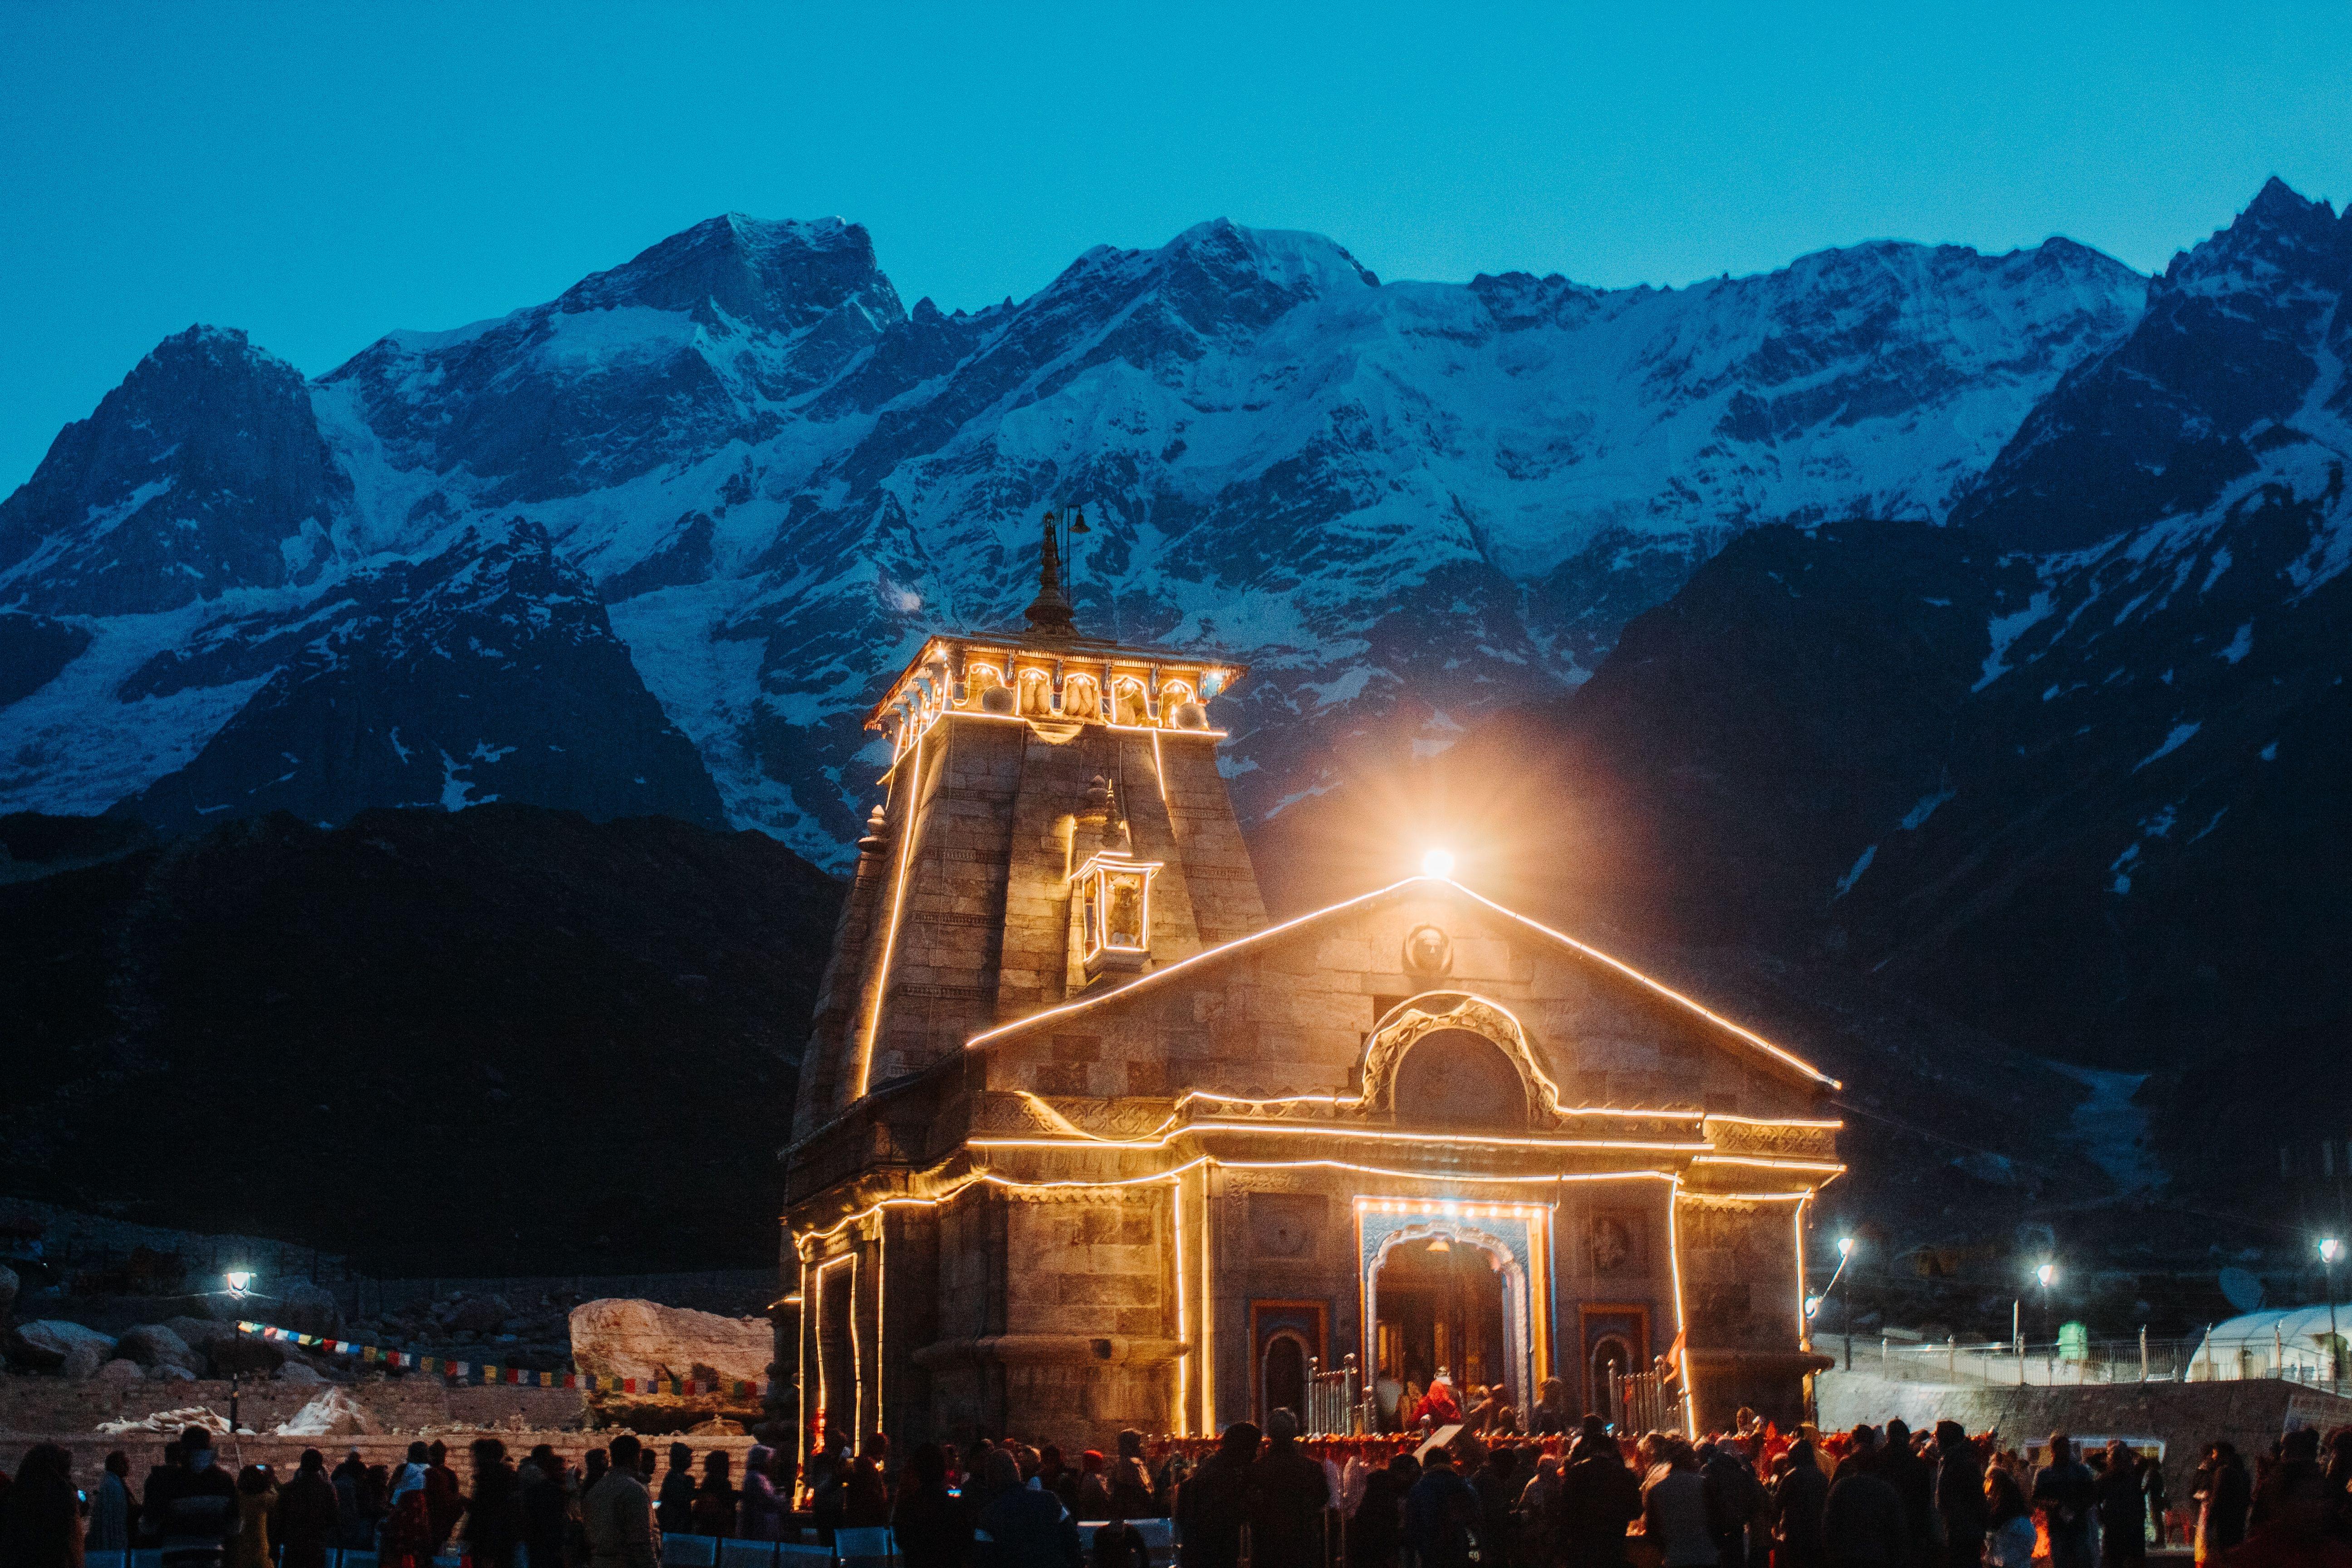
256 1508
714 1500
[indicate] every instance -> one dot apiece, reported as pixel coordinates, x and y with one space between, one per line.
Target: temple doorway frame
1520 1267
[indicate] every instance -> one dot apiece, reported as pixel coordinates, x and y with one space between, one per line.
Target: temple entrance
1440 1306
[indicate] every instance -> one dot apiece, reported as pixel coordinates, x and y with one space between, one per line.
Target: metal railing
2061 1364
1336 1404
1644 1401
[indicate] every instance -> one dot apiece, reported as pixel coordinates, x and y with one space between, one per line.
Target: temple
1084 1142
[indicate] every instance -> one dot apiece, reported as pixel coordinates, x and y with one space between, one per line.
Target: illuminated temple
1085 1142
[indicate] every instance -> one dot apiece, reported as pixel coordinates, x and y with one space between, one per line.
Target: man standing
1959 1496
200 1511
1863 1524
2067 1501
309 1519
1288 1496
1441 1515
2123 1510
1799 1501
618 1514
1598 1499
1214 1503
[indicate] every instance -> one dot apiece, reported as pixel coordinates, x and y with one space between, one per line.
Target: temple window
1036 694
1129 701
1078 699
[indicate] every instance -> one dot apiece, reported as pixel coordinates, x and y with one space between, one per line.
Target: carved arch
1408 1023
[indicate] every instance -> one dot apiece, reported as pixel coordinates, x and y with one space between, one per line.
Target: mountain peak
776 274
1289 258
2280 232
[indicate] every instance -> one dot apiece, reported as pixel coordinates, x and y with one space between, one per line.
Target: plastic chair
870 1545
747 1554
689 1550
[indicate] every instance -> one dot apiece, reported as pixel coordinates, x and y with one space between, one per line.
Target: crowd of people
1587 1497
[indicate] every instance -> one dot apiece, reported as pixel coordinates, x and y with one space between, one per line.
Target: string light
1325 1129
1682 1327
891 935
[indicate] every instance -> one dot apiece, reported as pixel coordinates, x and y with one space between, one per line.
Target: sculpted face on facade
1085 1142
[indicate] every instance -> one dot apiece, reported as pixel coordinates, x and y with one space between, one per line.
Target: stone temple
1084 1142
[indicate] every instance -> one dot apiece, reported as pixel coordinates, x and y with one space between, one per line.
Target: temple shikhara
1084 1142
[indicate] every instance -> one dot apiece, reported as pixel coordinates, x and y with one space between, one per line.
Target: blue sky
319 174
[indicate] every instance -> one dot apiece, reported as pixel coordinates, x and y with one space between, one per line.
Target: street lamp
2329 1250
2044 1276
1438 863
1845 1255
237 1280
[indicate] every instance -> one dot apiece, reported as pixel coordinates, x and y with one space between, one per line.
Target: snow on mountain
1408 504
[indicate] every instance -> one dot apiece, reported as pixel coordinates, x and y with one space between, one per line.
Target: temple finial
1048 615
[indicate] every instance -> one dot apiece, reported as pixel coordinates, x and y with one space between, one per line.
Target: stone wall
2187 1415
31 1404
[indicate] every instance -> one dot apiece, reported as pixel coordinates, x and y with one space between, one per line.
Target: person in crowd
2297 1504
760 1513
1288 1498
408 1519
1914 1480
546 1507
2123 1510
40 1519
1023 1527
2222 1494
309 1514
618 1514
109 1507
1057 1478
1800 1498
445 1499
493 1511
932 1527
829 1486
2066 1496
1959 1496
1497 1496
1674 1504
1132 1494
1441 1406
1599 1496
866 1502
1376 1529
375 1503
152 1498
1734 1498
1118 1544
350 1480
1551 1415
674 1509
1441 1515
1094 1487
2009 1536
1535 1518
257 1508
200 1513
1215 1501
1409 1404
714 1500
1862 1523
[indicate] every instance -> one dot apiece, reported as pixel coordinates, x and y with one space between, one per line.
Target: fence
2017 1363
1336 1404
1644 1401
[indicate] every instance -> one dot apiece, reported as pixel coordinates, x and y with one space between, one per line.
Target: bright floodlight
1845 1246
2046 1273
238 1279
1812 1305
1437 863
2330 1250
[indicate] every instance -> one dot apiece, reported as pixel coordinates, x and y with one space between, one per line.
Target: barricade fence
2079 1362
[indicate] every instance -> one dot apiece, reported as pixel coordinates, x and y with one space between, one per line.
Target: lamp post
2044 1276
1845 1255
2329 1250
239 1281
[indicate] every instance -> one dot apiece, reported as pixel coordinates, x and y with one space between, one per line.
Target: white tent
2289 1342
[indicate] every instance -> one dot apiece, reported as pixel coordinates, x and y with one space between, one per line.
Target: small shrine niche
1114 907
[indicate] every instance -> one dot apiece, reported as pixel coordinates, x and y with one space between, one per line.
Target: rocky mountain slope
1409 504
439 1043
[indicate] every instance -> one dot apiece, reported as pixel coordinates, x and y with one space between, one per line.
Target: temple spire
1048 613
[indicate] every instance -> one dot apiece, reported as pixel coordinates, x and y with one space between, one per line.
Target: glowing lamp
238 1279
2330 1250
1437 863
1114 911
1441 1245
1812 1307
1845 1246
2045 1274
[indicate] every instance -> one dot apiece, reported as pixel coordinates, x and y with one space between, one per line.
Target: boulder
297 1372
120 1370
617 1337
244 1355
199 1333
310 1308
8 1287
82 1360
154 1344
46 1343
480 1314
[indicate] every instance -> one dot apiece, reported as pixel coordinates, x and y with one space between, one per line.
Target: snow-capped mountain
1407 504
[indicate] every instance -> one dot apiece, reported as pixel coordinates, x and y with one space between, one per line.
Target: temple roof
1201 964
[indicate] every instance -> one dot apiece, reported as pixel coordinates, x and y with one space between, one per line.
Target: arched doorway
1283 1376
1440 1304
1458 1077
